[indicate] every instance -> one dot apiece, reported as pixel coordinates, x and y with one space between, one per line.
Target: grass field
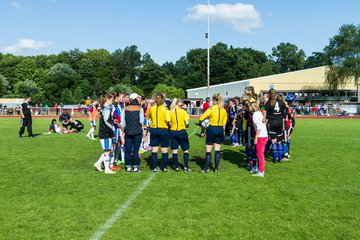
50 190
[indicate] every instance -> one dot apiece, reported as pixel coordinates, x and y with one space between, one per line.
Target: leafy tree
287 57
315 60
67 96
342 55
171 91
101 62
120 88
7 68
138 90
27 87
150 75
132 61
60 76
4 86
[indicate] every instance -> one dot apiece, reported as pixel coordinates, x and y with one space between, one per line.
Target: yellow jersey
218 116
159 116
179 117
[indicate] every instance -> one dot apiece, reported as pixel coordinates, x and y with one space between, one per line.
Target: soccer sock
165 159
286 149
280 150
186 160
207 161
217 159
88 134
122 152
275 151
175 160
154 160
92 132
106 161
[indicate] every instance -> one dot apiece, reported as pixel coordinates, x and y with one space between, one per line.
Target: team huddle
129 126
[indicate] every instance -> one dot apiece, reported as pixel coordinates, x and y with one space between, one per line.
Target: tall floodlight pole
208 50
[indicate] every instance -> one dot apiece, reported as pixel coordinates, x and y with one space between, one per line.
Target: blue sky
167 29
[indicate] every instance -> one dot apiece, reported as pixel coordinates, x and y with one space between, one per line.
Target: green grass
50 190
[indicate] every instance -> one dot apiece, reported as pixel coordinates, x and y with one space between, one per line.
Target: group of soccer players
267 126
128 123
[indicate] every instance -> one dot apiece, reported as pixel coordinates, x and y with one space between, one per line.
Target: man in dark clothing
132 122
26 118
65 119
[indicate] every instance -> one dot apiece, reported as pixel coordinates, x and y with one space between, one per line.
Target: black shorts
276 131
159 136
179 138
214 134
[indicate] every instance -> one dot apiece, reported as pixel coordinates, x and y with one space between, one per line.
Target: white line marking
126 204
193 133
122 208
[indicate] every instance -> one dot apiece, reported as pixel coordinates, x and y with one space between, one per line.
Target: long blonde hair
254 107
218 100
174 103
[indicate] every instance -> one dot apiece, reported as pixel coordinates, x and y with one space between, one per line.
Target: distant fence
192 111
73 110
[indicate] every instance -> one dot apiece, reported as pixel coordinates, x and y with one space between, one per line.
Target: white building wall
227 90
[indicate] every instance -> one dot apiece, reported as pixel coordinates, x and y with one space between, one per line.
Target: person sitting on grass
55 128
76 125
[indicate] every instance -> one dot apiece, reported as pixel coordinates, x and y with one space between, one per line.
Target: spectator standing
41 109
26 118
47 109
56 108
61 108
36 109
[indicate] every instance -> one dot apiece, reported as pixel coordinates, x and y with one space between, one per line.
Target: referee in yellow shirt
159 132
215 132
178 134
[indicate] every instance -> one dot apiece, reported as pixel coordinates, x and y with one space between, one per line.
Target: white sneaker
235 145
136 170
258 174
93 138
110 172
98 167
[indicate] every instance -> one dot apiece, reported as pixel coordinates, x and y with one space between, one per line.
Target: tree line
74 75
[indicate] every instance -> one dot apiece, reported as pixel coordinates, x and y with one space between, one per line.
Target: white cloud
242 17
27 44
15 4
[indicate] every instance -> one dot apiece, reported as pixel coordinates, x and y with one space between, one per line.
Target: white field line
120 211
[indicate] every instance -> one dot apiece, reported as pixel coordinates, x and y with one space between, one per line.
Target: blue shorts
214 134
159 136
93 123
106 144
179 138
